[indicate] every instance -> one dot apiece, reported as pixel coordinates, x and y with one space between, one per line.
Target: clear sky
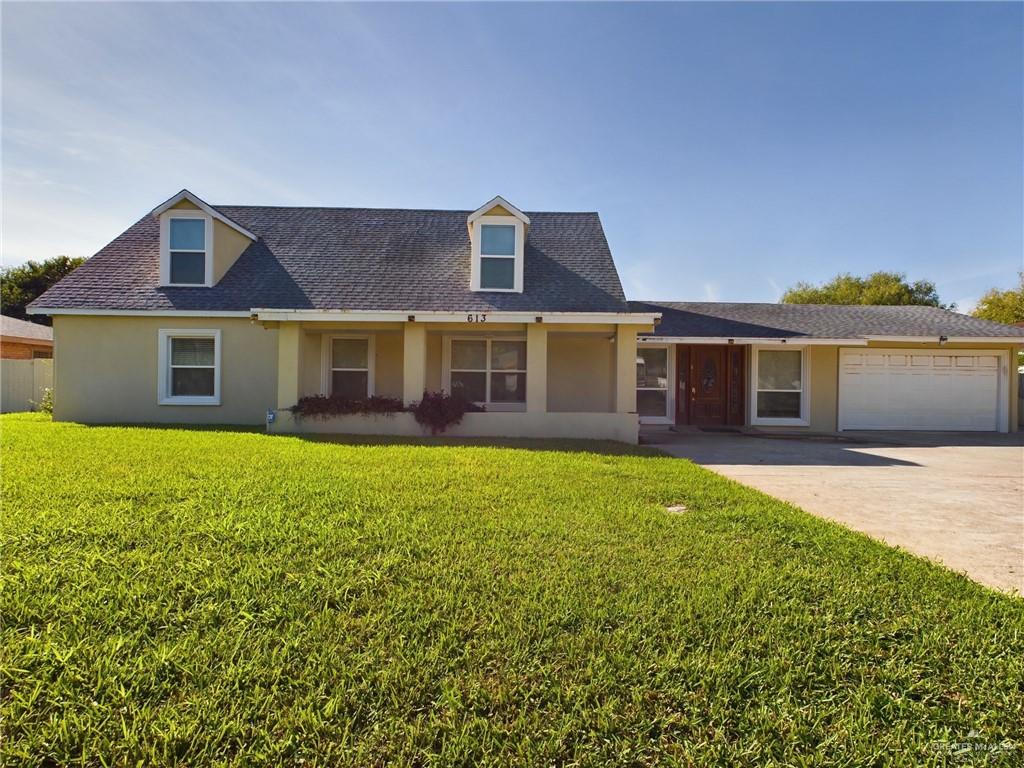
731 149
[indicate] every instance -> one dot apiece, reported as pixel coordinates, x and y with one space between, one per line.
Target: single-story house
230 314
22 340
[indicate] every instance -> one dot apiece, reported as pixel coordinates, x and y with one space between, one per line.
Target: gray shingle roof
729 320
355 258
12 327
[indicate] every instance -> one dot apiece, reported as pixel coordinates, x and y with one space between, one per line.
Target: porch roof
715 320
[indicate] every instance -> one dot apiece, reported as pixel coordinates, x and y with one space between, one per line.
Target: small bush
438 410
46 404
337 405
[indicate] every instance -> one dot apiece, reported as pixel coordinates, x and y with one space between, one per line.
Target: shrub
46 404
437 410
338 405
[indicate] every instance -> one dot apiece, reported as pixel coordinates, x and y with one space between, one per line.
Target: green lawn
226 597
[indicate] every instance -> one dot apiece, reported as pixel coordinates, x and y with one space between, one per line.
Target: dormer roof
497 206
205 207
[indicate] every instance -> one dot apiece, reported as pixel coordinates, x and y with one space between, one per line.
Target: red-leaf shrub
337 405
438 410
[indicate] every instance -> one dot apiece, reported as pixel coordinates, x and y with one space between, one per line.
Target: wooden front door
707 386
710 386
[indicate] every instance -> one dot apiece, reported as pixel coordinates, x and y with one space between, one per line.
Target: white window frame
670 396
326 361
805 386
163 395
165 247
477 238
486 403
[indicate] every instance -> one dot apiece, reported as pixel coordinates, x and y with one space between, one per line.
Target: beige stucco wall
387 357
498 210
105 371
824 375
581 373
435 344
228 245
106 368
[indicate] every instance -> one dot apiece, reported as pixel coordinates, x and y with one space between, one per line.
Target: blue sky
730 149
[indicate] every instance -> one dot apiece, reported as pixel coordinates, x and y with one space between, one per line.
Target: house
26 365
21 340
230 314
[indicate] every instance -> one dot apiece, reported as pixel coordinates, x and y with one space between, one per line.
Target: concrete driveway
956 498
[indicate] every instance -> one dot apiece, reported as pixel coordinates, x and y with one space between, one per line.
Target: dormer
198 244
497 232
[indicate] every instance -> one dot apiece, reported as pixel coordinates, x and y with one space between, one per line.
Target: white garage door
920 389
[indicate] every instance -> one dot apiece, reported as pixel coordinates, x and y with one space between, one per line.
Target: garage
919 389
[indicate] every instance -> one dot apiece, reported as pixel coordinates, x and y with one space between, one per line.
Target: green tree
1003 306
876 288
21 285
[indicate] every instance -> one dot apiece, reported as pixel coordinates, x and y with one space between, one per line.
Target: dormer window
187 256
497 257
187 251
497 232
186 248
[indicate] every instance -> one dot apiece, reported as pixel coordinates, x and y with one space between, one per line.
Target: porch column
625 368
289 364
536 368
414 362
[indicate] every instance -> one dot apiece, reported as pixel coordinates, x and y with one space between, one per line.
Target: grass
209 597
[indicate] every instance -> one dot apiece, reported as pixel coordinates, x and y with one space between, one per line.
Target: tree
876 288
1003 306
21 285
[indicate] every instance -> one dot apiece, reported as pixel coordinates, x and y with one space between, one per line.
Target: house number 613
474 317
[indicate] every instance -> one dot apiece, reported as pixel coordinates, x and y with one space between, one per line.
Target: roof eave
11 339
942 339
789 340
438 316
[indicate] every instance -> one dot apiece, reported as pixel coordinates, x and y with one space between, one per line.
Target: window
189 363
349 370
491 372
188 251
498 253
497 256
780 395
186 247
652 382
42 354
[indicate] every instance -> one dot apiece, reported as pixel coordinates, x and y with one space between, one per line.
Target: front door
707 385
710 385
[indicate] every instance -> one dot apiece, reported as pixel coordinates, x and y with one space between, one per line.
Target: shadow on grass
559 445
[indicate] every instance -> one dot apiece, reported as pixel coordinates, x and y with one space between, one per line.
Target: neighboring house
26 367
21 340
230 314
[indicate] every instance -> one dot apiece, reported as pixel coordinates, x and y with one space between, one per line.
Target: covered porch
550 376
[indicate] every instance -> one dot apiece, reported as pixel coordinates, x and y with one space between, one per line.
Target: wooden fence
22 383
